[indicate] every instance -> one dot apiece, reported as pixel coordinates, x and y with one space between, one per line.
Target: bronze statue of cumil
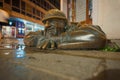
59 34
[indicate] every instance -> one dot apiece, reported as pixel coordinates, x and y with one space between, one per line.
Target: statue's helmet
54 14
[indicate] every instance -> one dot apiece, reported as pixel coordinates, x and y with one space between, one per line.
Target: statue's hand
31 38
44 43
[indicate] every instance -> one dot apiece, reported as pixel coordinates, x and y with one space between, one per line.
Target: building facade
78 10
104 13
26 15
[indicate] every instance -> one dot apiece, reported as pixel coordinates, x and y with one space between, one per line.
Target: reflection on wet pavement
20 53
17 50
9 53
11 67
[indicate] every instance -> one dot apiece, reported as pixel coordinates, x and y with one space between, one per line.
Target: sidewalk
65 64
72 64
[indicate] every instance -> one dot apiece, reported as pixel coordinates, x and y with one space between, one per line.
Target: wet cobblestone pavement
35 64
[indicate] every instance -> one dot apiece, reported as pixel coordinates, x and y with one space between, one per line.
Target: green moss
113 48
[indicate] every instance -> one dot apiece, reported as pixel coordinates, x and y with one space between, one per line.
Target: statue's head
55 20
54 14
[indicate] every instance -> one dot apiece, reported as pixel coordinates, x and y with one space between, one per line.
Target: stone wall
106 13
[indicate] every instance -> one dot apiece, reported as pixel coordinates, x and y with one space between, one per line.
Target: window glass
1 4
16 3
7 1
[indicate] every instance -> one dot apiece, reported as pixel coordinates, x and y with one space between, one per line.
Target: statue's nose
47 24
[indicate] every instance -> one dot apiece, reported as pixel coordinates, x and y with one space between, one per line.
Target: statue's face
54 27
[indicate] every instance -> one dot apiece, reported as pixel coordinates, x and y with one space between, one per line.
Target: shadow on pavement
111 74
